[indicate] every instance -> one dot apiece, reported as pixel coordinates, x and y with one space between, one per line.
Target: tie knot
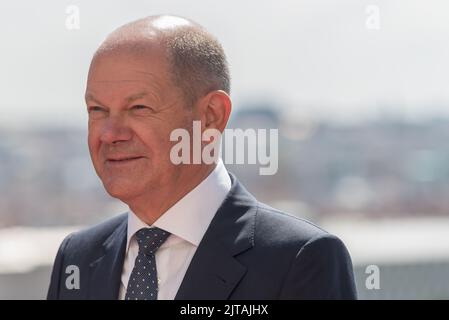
150 239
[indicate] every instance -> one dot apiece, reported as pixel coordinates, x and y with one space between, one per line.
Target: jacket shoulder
93 236
275 226
79 248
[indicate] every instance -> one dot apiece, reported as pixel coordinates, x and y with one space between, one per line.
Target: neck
152 205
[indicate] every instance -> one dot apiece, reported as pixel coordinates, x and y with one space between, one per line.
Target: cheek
157 148
153 138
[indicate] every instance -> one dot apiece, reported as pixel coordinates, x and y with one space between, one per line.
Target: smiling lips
122 160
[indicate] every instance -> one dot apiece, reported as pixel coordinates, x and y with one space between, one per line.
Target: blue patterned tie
142 284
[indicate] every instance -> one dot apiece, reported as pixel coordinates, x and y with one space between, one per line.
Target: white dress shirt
187 221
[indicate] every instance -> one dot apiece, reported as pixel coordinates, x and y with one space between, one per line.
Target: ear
214 110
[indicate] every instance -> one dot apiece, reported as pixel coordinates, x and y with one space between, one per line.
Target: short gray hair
198 63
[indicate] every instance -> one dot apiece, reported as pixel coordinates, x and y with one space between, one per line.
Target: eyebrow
129 99
136 96
90 97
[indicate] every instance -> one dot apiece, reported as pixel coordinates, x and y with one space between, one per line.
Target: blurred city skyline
316 56
384 168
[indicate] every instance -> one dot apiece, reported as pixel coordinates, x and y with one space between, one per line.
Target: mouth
122 160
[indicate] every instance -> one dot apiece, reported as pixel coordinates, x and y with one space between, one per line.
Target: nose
115 130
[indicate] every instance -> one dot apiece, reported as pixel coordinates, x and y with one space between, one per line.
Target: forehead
125 72
126 65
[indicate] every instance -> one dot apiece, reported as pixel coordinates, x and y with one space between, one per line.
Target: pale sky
314 55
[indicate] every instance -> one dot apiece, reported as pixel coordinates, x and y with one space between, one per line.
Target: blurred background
357 89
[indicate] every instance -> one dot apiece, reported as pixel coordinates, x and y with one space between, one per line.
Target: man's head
148 78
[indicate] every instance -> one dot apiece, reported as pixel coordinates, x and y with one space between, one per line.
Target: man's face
133 107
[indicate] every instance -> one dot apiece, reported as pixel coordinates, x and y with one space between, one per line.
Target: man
193 231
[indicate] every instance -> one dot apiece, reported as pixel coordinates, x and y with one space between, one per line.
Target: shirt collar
190 217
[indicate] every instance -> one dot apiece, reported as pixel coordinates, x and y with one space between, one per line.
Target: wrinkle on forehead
124 63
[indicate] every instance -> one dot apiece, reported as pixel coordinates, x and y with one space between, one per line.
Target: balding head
195 59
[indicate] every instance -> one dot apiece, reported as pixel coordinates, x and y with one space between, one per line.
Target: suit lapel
214 271
105 271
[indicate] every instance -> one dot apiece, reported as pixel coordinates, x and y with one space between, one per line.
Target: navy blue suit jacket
250 251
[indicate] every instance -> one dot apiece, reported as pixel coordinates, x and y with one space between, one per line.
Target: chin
120 190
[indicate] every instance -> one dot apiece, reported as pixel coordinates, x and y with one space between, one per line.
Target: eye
95 108
141 109
96 112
